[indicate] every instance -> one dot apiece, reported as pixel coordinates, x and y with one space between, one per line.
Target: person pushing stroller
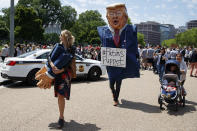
171 88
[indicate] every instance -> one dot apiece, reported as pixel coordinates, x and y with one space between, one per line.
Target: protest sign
113 57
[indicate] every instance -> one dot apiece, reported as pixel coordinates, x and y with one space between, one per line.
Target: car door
81 66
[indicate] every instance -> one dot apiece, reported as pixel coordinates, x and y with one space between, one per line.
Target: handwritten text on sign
113 57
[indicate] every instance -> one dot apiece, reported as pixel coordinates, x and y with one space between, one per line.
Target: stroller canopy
170 63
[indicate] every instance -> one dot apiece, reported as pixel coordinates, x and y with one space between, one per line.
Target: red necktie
117 38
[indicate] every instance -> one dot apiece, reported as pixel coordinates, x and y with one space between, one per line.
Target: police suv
25 66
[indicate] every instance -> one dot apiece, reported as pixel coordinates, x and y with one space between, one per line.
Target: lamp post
11 53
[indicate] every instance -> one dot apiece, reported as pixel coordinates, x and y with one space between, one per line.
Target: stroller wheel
160 102
183 101
176 106
159 99
161 106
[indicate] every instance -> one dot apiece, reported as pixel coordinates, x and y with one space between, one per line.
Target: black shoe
60 123
116 103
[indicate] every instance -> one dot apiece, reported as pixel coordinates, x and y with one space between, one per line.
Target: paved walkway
24 108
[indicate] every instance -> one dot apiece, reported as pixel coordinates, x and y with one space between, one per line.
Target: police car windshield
78 57
27 54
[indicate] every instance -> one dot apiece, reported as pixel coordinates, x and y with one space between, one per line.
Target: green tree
93 37
49 11
6 16
140 39
28 27
178 38
51 38
85 28
187 38
68 17
169 42
4 31
26 3
129 21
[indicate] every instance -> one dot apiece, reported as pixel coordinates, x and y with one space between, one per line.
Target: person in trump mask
119 34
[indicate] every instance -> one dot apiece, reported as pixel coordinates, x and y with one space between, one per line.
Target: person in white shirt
168 50
144 58
173 54
18 50
183 70
150 54
186 56
4 52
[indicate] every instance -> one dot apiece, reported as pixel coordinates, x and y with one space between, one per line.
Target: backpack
183 52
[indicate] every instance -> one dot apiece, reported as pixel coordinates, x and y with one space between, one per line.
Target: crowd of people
89 51
151 58
20 49
154 58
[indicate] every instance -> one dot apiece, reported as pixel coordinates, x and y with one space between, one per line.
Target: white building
53 28
181 29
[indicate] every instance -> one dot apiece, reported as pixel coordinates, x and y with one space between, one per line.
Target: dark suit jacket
128 40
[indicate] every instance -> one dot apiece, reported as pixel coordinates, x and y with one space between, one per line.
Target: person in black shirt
193 62
161 62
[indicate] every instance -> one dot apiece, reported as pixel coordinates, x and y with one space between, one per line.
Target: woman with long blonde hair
62 80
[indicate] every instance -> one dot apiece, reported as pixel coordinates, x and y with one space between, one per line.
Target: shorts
149 60
144 60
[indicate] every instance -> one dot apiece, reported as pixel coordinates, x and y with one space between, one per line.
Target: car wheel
94 74
31 77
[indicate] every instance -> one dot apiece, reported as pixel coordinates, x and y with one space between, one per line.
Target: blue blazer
128 40
60 58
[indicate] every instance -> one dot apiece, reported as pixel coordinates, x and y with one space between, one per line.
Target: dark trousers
115 91
3 58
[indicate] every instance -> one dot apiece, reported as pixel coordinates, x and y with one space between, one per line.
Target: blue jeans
161 71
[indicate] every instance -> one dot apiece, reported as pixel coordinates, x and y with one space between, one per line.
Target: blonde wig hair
117 5
69 39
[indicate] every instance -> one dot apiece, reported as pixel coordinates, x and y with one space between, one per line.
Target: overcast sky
176 12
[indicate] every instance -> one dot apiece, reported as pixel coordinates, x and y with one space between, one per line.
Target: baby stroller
171 88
